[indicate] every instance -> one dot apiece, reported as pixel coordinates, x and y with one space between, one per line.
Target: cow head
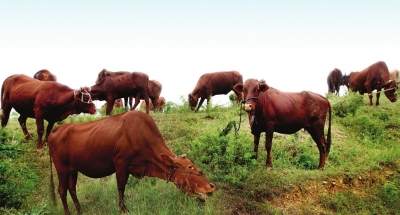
251 90
390 90
345 81
192 101
85 100
102 74
187 177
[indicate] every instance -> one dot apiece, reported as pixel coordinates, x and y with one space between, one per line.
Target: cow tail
328 138
52 194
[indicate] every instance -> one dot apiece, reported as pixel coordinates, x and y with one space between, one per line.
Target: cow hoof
269 168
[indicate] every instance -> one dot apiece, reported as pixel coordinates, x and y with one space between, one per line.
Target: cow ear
238 88
264 87
169 161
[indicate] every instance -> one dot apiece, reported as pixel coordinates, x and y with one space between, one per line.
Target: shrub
16 179
389 195
228 158
348 105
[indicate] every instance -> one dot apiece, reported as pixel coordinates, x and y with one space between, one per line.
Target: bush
347 105
16 179
228 158
389 195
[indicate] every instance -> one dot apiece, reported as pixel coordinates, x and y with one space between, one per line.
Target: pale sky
293 45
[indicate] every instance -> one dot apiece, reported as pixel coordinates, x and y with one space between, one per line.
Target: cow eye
190 167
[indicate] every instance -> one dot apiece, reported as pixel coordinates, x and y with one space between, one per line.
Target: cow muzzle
247 107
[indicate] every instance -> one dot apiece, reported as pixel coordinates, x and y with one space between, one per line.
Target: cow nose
247 107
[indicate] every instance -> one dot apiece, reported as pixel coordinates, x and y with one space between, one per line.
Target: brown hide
159 107
105 73
334 81
211 84
374 77
126 143
271 110
42 100
45 75
154 90
121 86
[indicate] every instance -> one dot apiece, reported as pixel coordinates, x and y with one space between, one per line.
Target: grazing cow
211 84
374 77
334 81
126 143
271 110
45 75
394 75
121 86
42 100
159 107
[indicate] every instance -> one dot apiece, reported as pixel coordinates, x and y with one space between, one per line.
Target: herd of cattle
102 147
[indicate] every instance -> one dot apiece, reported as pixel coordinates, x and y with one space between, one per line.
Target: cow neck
157 167
97 91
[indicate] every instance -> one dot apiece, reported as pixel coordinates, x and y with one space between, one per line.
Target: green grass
361 173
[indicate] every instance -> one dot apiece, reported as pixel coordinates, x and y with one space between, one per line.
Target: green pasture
361 175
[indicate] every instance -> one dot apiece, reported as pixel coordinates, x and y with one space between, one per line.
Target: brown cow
374 77
105 73
153 87
271 110
159 107
121 86
334 81
45 75
126 143
42 100
211 84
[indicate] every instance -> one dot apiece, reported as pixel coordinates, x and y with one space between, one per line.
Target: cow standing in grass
271 110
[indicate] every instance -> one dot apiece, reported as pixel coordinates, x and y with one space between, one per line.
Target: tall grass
361 174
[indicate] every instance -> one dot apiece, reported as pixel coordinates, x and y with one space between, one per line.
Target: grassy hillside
361 174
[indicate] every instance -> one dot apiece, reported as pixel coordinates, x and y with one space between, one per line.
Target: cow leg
110 106
48 130
256 142
130 101
137 100
40 130
122 179
319 139
378 93
73 177
154 101
126 103
5 113
22 123
63 173
201 103
369 91
268 145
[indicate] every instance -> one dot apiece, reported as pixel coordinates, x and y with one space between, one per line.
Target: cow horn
184 156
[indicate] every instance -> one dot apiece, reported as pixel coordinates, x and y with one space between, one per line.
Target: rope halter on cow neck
89 101
392 88
182 171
